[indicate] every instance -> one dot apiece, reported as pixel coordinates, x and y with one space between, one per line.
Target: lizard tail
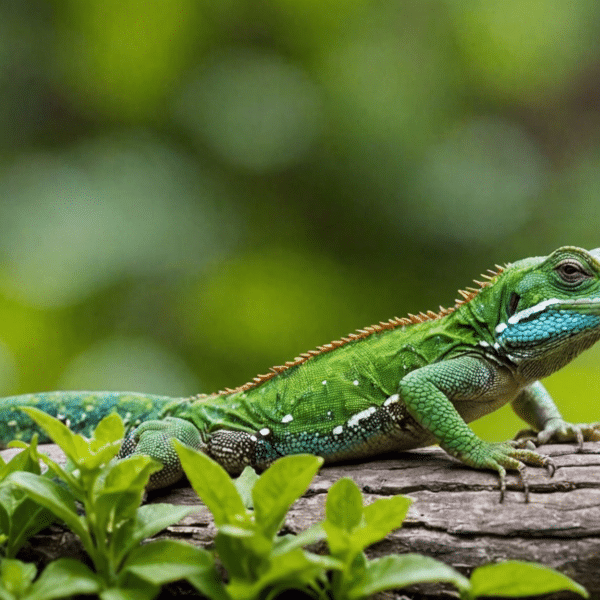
80 411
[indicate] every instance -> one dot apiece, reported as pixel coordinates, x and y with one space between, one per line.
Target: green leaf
235 531
73 445
344 505
74 484
212 483
279 487
244 485
118 495
514 579
163 561
16 577
242 557
209 584
6 509
27 519
399 571
56 499
149 520
294 570
101 457
64 577
138 589
288 542
128 474
380 518
109 430
105 443
27 460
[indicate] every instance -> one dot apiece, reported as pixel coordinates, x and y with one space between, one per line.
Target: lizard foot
153 438
559 431
503 456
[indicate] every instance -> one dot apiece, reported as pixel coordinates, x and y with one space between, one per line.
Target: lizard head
549 310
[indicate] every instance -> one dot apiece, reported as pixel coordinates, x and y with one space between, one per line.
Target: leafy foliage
258 561
113 525
261 564
62 578
20 516
515 579
351 527
248 514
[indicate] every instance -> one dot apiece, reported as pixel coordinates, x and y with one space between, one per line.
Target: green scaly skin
399 385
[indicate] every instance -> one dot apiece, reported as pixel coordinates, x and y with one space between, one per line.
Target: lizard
401 384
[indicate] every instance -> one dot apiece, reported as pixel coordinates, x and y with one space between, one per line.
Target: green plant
20 516
351 527
517 579
61 578
248 514
261 564
113 525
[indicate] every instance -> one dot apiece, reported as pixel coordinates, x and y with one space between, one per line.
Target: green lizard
401 384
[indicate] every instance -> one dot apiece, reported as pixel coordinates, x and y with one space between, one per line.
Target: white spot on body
12 423
484 344
287 419
254 438
524 314
501 327
337 430
265 431
354 420
392 399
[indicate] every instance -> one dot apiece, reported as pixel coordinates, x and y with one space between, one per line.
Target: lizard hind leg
233 450
154 439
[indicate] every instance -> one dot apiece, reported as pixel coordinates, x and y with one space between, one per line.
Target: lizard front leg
430 394
535 406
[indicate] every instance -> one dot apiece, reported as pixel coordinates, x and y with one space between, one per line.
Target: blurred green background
193 191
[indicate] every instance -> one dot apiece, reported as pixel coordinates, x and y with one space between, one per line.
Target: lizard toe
505 456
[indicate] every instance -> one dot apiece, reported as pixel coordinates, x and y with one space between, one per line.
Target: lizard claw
505 456
557 430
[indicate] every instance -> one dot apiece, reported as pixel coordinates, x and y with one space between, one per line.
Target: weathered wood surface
456 516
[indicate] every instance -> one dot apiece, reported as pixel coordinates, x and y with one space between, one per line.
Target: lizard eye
572 271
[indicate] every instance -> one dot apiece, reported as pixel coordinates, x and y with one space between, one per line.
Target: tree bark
456 516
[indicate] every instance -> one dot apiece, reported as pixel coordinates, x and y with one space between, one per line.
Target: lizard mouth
589 306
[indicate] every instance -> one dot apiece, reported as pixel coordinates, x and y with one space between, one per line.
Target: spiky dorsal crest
466 295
